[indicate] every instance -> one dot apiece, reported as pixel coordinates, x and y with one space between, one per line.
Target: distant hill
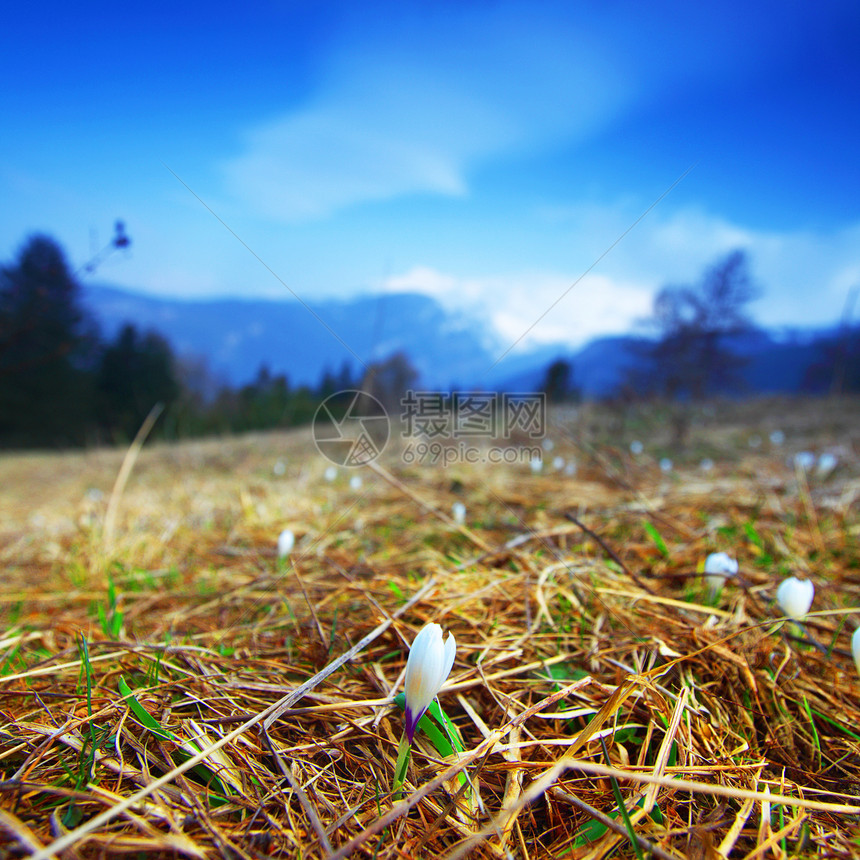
776 363
238 337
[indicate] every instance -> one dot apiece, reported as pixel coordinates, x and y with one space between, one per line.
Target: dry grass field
169 687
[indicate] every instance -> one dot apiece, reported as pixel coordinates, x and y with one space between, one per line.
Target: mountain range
238 337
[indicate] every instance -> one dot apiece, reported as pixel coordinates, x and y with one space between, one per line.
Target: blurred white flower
558 463
279 468
665 465
570 469
718 567
805 460
355 482
547 445
330 473
706 465
429 664
458 512
636 447
777 437
855 648
286 542
536 464
755 441
794 597
827 462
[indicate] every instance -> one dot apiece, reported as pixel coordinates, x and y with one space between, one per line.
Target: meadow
171 687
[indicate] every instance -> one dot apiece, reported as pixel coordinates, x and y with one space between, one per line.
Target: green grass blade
657 538
622 809
143 716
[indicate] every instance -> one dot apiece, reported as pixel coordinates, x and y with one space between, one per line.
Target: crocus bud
286 542
718 567
794 597
805 460
855 648
536 464
355 482
666 465
429 664
636 447
458 512
827 462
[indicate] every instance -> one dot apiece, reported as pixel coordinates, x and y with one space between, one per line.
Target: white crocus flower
718 567
794 597
666 465
827 462
458 512
855 648
429 664
331 473
286 542
355 482
536 464
636 447
805 460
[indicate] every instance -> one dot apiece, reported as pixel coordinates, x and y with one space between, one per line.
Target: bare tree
692 355
388 380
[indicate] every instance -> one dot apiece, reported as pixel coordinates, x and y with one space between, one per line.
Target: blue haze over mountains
237 337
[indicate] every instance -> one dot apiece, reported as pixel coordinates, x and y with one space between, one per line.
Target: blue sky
486 153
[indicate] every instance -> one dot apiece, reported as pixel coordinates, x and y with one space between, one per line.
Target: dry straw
257 718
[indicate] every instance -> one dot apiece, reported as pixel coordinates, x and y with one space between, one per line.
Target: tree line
688 353
62 384
695 345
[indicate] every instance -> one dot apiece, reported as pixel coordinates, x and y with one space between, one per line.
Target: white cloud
414 106
514 306
416 102
805 277
667 245
312 164
423 279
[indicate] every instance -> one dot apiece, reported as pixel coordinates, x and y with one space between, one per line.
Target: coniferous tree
558 382
136 372
48 349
